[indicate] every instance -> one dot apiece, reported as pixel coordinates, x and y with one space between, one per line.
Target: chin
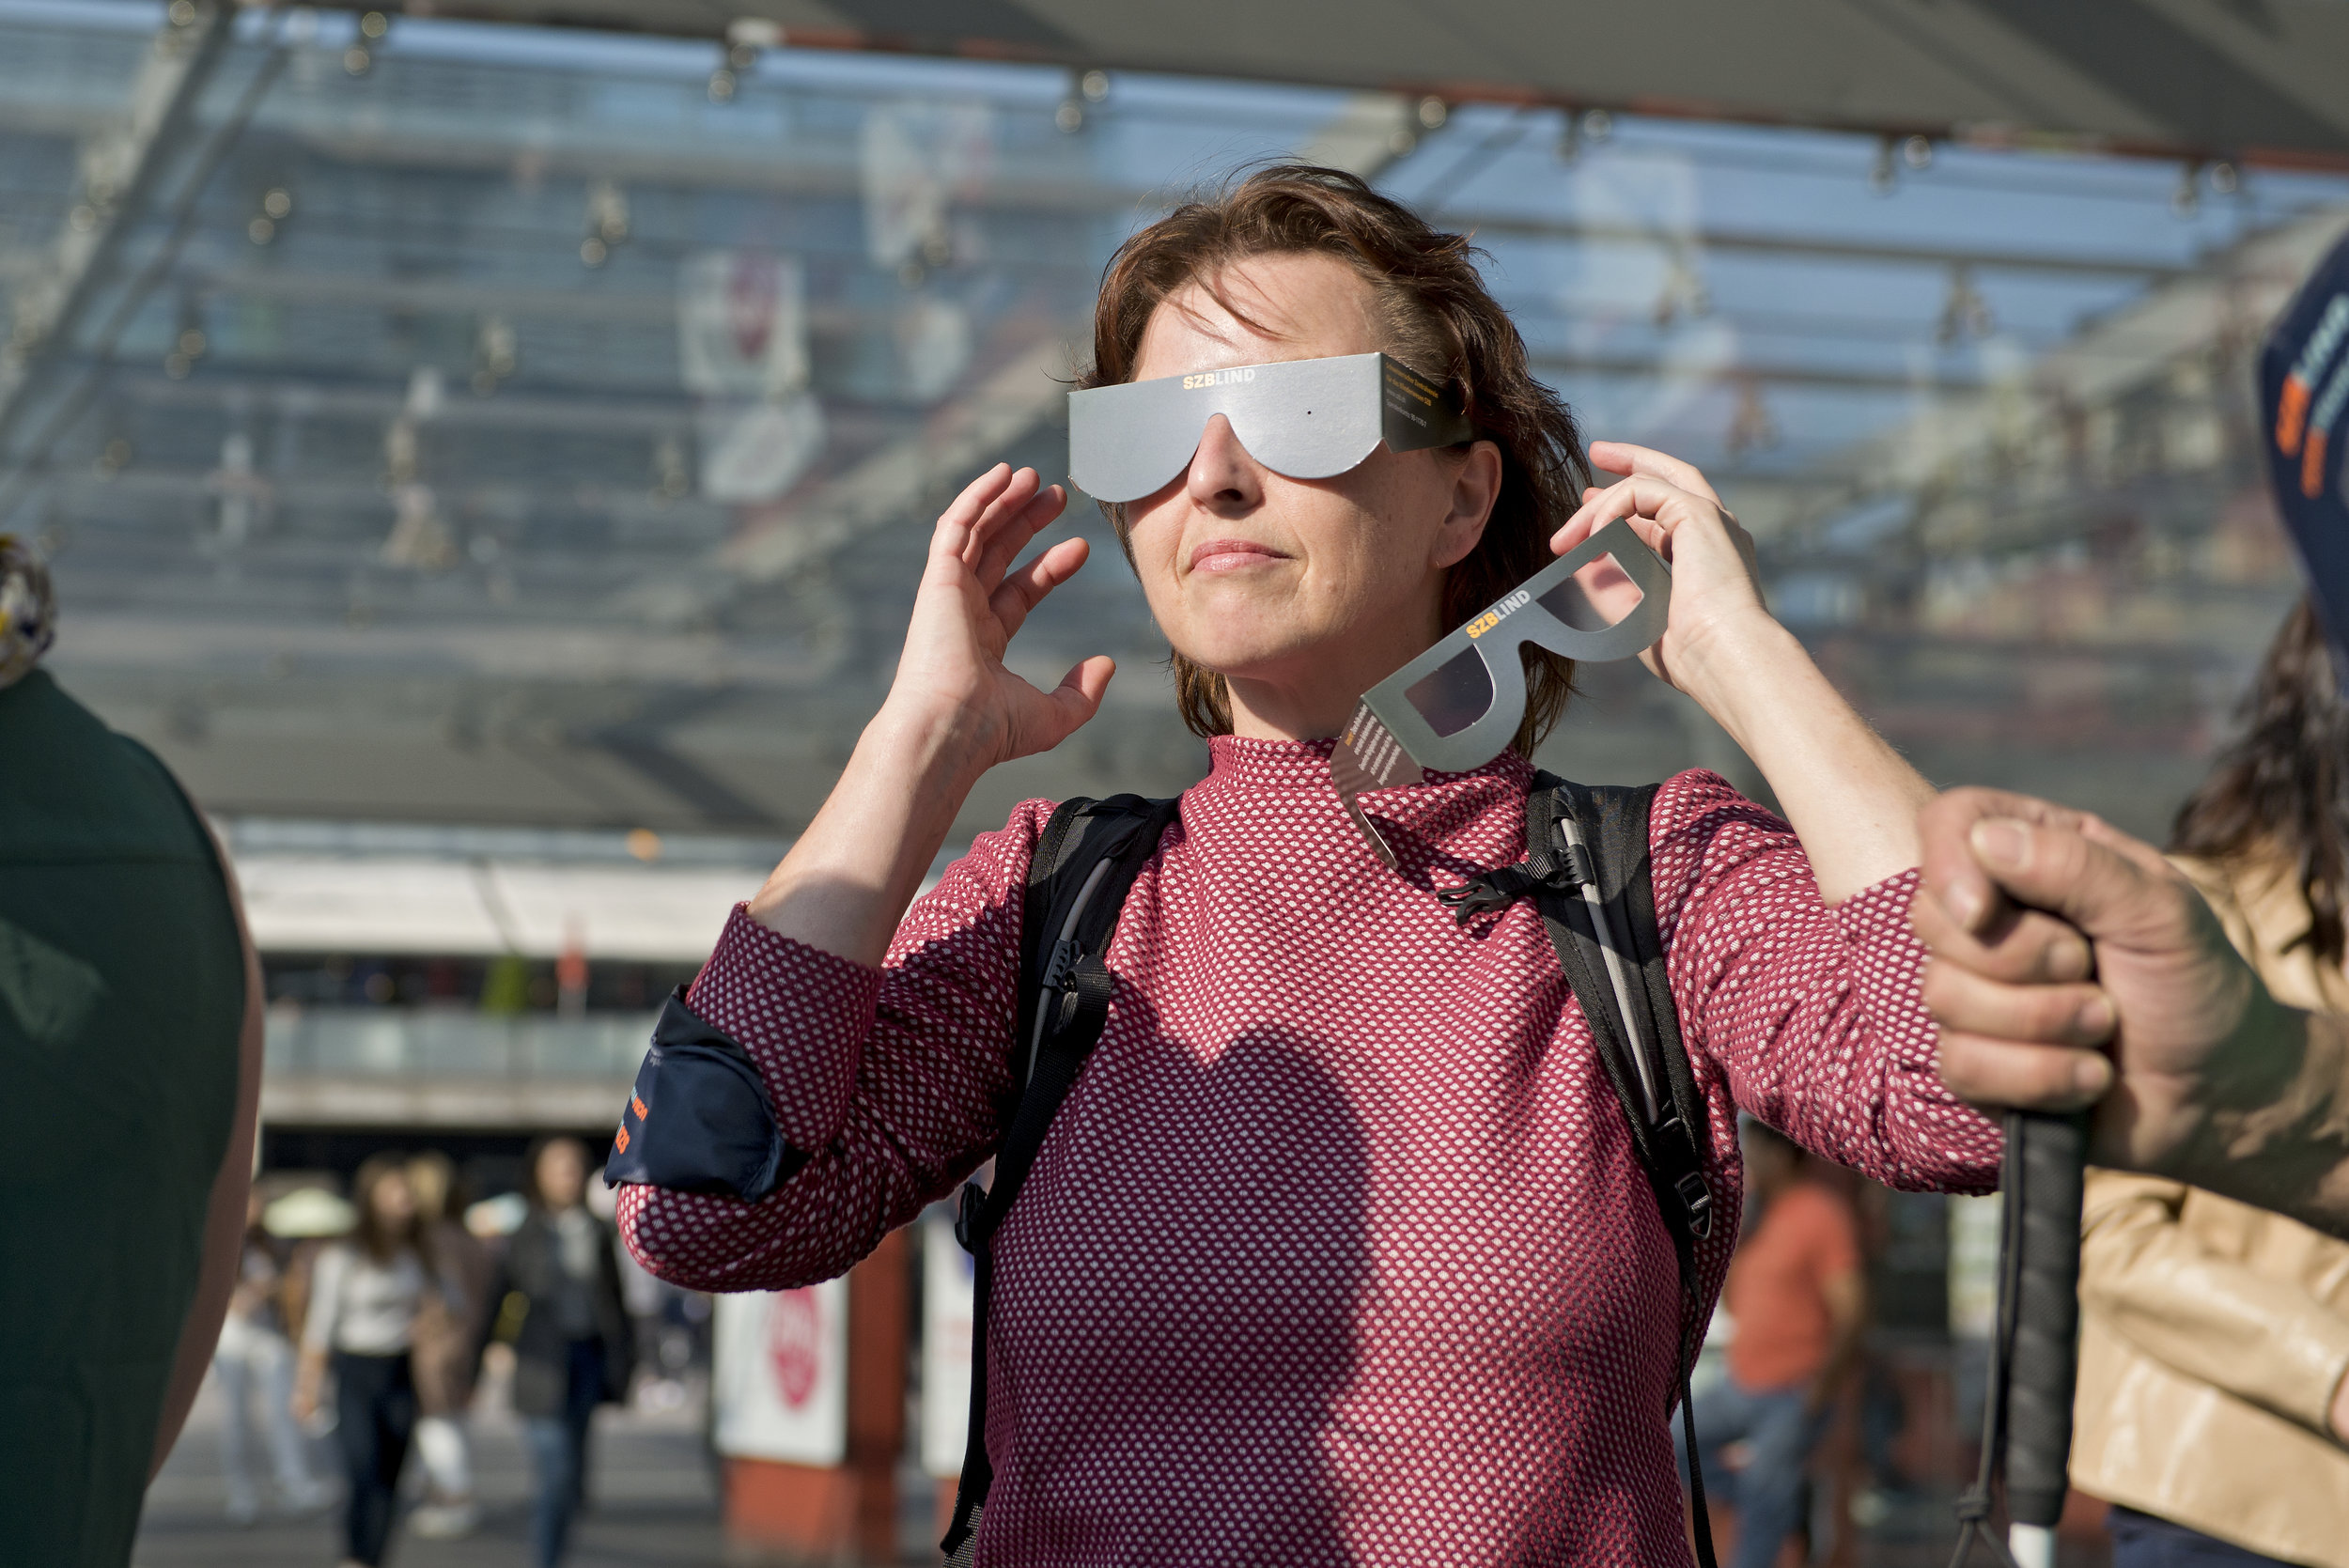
1245 658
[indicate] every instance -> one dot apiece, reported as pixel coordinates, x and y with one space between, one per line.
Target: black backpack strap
1604 928
1586 868
1084 864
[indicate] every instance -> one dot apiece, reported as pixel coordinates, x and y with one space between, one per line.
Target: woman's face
562 1174
1297 583
394 1201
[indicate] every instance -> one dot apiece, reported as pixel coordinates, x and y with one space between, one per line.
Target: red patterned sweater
1338 1252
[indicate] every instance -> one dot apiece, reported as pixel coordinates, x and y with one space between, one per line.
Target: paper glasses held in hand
1457 706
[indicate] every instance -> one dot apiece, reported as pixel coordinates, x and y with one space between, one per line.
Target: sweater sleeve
328 1274
1814 1015
895 1081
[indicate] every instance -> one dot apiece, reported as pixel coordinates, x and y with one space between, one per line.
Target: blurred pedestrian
130 1035
574 1348
254 1362
448 1327
365 1295
1798 1301
2214 1336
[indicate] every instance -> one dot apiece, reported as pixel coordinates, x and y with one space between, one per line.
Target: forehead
1291 305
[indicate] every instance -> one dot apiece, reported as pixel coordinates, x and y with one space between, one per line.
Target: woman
364 1296
255 1364
574 1348
2215 1341
1338 1251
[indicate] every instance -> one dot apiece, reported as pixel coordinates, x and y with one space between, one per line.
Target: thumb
1077 697
2106 893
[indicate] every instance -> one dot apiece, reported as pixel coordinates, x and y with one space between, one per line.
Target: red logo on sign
795 1344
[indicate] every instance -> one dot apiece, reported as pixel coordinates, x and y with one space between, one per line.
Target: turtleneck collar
1251 765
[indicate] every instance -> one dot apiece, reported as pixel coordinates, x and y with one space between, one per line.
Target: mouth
1230 555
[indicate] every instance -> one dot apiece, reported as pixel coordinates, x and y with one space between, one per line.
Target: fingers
1621 457
955 523
2061 869
2019 946
1076 699
1653 506
1025 589
1018 515
1993 1072
1952 873
2076 1016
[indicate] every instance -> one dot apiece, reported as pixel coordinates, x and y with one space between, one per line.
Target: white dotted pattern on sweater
1338 1251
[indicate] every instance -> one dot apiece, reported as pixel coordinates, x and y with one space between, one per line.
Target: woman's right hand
952 678
954 712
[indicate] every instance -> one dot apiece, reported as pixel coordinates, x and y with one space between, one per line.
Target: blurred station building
486 448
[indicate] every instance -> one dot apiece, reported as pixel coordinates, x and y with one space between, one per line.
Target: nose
1223 477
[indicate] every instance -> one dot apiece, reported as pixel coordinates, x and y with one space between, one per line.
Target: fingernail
2095 1018
1999 842
2091 1076
1965 904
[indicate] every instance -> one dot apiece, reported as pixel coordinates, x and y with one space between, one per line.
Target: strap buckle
1696 1200
970 1216
1062 965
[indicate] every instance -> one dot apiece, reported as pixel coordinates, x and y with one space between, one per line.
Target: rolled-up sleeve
1815 1014
894 1081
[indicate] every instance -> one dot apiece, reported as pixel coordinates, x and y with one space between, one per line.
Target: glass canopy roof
496 424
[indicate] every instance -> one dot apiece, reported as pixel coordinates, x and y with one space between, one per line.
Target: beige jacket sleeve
2262 1340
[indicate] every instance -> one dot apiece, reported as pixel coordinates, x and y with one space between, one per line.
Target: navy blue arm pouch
698 1120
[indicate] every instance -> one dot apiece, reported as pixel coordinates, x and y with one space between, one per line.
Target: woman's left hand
1668 503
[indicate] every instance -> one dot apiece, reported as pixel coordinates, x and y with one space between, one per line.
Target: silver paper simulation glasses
1307 418
1457 706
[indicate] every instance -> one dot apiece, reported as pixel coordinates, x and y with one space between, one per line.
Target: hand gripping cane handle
2049 1154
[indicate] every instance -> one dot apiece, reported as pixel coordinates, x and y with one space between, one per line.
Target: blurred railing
400 1042
397 1066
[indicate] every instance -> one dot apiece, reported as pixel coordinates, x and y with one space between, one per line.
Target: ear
1475 486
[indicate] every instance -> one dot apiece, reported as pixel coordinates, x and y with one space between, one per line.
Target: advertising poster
946 1311
779 1374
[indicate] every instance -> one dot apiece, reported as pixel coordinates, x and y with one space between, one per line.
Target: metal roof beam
122 174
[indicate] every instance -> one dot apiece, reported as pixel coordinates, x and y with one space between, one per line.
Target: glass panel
1456 695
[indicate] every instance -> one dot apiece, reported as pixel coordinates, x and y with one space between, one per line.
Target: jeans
2143 1541
1780 1433
375 1404
558 1453
257 1364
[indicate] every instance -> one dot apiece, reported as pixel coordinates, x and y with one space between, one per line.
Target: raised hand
969 606
1671 505
953 713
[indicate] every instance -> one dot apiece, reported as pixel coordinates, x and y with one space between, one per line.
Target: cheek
1153 535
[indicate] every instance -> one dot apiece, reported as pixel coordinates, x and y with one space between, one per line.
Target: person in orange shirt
1799 1302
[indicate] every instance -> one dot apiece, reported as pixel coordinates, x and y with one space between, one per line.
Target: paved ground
656 1506
655 1502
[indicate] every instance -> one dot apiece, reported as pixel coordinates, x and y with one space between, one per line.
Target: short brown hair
1436 315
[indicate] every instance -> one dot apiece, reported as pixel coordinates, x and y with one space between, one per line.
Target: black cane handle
2047 1164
